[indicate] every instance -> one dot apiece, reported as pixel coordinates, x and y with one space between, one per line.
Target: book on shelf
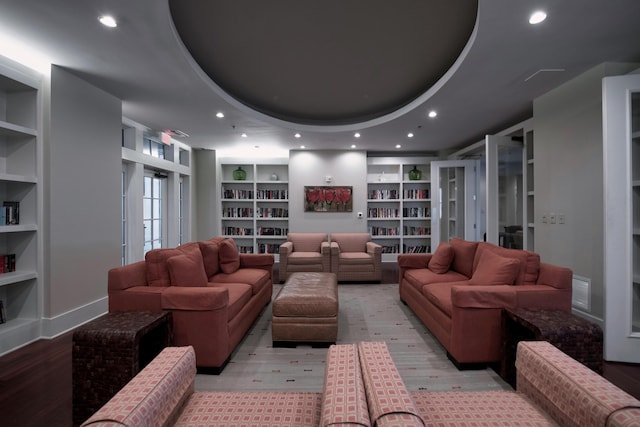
11 213
3 314
7 263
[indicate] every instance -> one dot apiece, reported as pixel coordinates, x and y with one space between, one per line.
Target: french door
453 201
621 132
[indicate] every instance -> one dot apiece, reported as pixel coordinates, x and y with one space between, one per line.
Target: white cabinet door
621 128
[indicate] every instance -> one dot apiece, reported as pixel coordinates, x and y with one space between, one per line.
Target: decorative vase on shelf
415 174
274 177
239 174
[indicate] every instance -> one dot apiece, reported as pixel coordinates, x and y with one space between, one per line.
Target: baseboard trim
588 316
65 322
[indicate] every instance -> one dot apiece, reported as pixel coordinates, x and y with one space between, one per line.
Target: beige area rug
371 312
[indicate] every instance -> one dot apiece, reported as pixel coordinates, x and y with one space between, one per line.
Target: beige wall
568 155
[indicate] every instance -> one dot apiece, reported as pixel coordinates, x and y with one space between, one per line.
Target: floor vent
581 296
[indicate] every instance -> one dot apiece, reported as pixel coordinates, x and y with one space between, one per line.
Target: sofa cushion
441 259
210 254
439 294
229 256
494 269
257 278
239 296
156 262
185 270
463 255
305 258
423 276
351 242
307 242
529 261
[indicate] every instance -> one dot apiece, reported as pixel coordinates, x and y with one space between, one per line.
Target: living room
82 158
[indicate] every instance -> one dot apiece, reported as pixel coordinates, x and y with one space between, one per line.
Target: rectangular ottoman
306 310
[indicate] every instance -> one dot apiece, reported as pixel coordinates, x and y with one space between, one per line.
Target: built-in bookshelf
399 205
20 194
530 212
255 210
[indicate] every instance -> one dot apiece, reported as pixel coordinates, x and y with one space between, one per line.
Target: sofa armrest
127 276
543 297
483 296
285 249
406 261
195 298
344 401
159 391
555 276
325 248
563 387
374 248
389 400
263 261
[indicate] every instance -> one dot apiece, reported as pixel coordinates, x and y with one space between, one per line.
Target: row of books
394 249
237 231
237 212
272 231
418 193
7 263
273 213
268 248
234 193
417 231
3 314
272 194
383 194
416 212
384 231
10 213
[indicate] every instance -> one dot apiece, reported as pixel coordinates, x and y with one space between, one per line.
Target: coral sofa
162 394
214 293
459 292
304 252
354 257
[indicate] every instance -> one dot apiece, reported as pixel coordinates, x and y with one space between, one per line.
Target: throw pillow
441 259
229 256
494 269
185 270
463 254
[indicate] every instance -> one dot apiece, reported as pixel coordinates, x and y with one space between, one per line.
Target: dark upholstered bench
306 310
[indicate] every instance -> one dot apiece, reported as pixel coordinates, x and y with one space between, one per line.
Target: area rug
370 312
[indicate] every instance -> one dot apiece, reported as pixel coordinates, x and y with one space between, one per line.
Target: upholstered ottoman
306 310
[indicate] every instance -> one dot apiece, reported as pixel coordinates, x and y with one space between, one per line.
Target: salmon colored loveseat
214 293
459 292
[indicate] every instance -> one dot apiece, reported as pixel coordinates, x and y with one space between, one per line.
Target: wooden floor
35 384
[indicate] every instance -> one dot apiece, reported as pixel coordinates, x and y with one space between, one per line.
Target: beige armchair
354 257
307 252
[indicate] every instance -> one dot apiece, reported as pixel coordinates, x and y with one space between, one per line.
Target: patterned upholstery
481 408
344 401
354 257
155 395
569 391
390 403
235 409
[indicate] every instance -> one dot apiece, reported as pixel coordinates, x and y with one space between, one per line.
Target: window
123 199
152 200
153 148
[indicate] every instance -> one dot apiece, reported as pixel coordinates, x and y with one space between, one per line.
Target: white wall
206 211
568 176
310 168
82 164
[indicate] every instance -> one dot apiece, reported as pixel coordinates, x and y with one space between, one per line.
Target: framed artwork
328 199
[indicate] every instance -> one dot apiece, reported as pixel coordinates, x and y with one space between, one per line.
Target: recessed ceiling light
244 135
356 135
108 21
353 145
297 135
302 147
398 145
432 114
537 17
220 115
410 135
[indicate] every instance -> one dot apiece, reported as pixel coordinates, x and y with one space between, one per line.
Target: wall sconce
328 179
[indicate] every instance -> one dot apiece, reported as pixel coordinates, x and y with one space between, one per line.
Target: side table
575 336
109 351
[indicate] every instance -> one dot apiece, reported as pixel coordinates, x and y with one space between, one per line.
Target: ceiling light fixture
398 146
537 17
220 115
356 135
410 135
302 147
353 145
432 114
297 135
108 21
244 135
